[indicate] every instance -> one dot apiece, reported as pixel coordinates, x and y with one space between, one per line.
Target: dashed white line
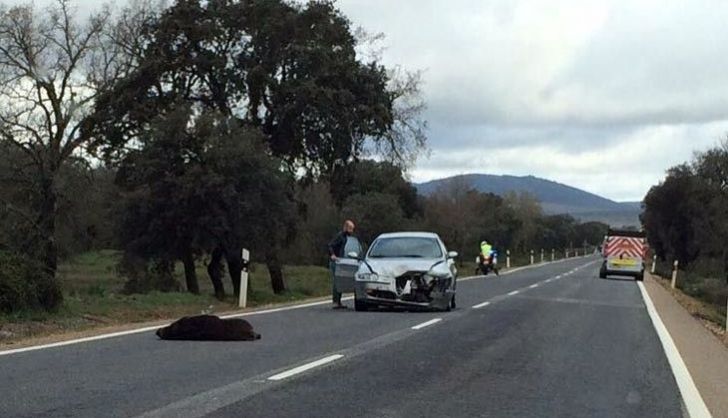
481 305
427 324
533 286
300 369
515 292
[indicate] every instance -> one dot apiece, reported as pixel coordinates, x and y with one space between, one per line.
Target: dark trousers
335 294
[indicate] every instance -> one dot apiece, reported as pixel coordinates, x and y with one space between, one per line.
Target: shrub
144 276
24 285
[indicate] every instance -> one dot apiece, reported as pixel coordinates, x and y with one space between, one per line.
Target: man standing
336 250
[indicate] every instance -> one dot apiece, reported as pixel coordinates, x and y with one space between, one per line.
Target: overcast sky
600 95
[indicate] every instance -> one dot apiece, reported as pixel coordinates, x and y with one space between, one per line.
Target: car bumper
384 294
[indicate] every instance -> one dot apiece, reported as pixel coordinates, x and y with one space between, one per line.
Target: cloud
602 95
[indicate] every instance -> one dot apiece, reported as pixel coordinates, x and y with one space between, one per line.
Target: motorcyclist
488 254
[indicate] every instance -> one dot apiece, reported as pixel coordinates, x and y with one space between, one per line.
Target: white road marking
300 369
533 286
427 324
155 327
481 305
515 292
691 396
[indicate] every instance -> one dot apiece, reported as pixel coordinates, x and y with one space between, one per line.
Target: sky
601 95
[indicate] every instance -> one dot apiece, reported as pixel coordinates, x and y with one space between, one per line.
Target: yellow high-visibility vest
486 249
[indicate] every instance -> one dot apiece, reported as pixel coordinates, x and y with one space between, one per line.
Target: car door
346 267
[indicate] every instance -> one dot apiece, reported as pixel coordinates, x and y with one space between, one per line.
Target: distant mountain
555 198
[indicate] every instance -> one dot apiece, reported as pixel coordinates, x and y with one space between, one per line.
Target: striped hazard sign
625 247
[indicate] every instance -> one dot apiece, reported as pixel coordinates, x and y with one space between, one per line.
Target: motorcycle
487 265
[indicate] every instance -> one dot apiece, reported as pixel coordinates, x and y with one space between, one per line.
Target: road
553 340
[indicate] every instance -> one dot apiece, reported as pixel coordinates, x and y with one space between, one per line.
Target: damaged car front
412 270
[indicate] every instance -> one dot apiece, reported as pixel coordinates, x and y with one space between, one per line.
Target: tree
527 212
375 213
204 184
51 70
287 69
368 176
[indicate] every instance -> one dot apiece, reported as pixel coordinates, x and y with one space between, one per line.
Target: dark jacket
336 246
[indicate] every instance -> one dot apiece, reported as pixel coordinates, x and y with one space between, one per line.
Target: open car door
347 267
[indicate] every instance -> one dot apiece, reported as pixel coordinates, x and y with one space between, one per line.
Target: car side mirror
353 254
452 254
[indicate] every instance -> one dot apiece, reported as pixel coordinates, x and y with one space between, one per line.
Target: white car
408 269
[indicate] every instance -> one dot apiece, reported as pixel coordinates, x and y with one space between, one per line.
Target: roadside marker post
531 256
654 264
566 253
243 298
674 273
553 255
542 255
508 259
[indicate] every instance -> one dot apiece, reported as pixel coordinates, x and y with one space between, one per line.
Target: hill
555 198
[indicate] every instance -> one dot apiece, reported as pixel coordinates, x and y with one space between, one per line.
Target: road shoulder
704 355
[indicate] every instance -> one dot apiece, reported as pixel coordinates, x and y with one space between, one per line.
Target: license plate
624 262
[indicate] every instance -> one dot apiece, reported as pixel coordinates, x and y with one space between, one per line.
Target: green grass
93 296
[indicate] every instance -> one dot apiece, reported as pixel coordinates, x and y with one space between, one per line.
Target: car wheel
640 277
603 273
453 305
360 305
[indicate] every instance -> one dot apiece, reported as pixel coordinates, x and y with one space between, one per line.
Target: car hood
395 267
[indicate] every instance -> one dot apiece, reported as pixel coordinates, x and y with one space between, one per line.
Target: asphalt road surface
547 341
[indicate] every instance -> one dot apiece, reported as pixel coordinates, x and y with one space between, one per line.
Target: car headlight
372 277
367 277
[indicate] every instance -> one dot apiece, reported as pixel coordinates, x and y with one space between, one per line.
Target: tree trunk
47 226
214 270
235 265
276 272
190 274
50 294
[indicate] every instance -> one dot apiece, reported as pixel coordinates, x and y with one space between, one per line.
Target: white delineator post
542 255
553 255
531 256
508 259
654 264
674 273
243 298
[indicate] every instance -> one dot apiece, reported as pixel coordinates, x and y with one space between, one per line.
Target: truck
624 253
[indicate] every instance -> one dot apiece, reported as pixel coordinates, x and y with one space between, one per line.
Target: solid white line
481 305
300 369
515 292
691 396
152 328
427 324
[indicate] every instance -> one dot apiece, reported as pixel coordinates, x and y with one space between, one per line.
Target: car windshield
406 247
